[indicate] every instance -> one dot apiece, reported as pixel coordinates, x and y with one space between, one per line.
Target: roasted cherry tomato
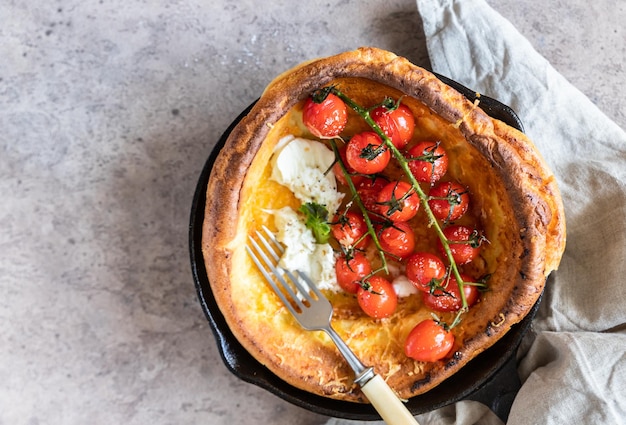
464 242
449 298
432 163
448 200
424 269
397 123
397 240
326 119
398 201
341 178
350 230
368 191
428 341
350 271
367 154
379 300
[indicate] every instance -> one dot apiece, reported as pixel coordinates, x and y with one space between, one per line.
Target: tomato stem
365 114
359 202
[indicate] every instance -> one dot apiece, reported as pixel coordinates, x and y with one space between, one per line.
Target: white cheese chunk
301 165
302 253
403 286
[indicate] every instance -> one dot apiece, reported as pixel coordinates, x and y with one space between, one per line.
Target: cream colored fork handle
383 398
387 403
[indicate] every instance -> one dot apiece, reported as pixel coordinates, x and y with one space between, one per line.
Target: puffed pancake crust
514 198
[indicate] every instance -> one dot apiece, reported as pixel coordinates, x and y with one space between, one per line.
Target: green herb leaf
317 220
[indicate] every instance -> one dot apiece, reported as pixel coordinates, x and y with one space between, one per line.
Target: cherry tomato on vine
341 178
428 341
465 243
448 200
367 154
398 201
422 268
433 163
397 240
350 230
397 123
379 300
449 298
368 191
350 271
326 119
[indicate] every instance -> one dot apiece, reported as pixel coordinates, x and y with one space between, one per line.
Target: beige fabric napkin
574 371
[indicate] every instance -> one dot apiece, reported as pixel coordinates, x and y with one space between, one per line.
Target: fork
313 311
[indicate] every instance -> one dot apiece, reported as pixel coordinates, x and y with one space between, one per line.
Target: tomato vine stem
359 202
432 220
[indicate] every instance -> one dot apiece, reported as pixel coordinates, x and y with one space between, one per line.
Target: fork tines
294 291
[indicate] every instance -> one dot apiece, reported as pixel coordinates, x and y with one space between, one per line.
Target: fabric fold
470 42
574 370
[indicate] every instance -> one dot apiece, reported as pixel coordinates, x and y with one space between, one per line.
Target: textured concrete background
108 111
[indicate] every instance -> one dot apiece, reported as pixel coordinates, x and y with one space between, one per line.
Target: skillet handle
499 392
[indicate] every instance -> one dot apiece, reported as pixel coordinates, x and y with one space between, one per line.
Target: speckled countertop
108 111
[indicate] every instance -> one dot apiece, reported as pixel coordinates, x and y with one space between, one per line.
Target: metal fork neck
362 374
365 376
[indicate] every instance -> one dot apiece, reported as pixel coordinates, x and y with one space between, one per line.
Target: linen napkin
573 368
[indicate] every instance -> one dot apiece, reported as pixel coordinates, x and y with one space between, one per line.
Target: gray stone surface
108 111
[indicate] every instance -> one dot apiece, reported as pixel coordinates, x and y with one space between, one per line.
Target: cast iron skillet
490 378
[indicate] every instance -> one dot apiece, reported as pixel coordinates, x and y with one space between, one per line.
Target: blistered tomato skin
351 270
460 242
379 300
449 201
398 201
326 119
368 191
339 175
432 165
428 341
397 240
397 124
424 268
350 230
449 299
367 154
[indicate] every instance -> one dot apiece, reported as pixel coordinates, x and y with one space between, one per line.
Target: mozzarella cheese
403 286
303 166
302 253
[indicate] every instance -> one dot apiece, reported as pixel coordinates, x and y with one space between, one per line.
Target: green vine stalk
403 162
